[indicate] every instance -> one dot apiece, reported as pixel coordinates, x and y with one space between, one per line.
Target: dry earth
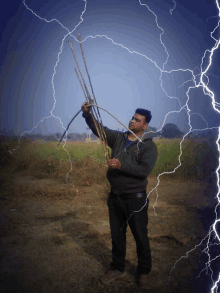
54 241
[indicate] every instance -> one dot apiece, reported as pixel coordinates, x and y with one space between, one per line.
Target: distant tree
152 131
190 136
38 135
93 136
49 138
8 135
208 133
171 130
152 128
58 135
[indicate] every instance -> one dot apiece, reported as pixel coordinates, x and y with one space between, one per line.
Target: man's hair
145 113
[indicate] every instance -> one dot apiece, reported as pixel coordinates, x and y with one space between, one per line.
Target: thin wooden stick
77 64
86 97
68 127
100 120
85 86
82 51
84 59
98 126
100 129
90 101
118 121
105 111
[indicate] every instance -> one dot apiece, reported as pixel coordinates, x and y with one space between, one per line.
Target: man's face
137 123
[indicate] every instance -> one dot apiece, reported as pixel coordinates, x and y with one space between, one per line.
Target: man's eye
133 118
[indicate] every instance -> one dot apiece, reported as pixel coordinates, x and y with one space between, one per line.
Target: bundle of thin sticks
94 111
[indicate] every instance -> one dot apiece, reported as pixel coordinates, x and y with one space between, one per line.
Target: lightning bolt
208 92
174 7
204 85
54 73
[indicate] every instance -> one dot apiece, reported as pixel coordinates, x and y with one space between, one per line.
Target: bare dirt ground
54 241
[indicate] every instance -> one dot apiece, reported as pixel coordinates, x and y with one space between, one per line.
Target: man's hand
85 109
114 163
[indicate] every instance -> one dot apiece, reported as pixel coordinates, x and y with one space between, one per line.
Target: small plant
6 156
50 165
88 181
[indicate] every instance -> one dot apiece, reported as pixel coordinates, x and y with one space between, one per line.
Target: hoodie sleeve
145 165
111 135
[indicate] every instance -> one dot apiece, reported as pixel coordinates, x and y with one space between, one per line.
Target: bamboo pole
85 86
98 126
99 130
86 97
105 111
100 120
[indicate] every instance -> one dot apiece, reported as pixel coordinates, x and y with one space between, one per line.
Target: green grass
198 160
77 151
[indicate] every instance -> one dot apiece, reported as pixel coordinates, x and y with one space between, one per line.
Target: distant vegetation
199 159
9 135
57 136
170 131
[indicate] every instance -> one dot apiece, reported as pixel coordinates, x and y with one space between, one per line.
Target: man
127 175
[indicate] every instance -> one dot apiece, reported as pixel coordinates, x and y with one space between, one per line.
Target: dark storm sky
122 81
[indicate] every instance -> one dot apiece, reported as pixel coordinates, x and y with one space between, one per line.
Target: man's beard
132 129
129 127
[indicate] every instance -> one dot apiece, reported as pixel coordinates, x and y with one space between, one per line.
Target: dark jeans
119 212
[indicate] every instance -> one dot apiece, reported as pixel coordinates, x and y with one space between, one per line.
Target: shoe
143 281
111 275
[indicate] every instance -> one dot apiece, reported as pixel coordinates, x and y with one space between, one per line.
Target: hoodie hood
125 135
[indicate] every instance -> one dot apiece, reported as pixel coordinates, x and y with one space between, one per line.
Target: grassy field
198 159
54 241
